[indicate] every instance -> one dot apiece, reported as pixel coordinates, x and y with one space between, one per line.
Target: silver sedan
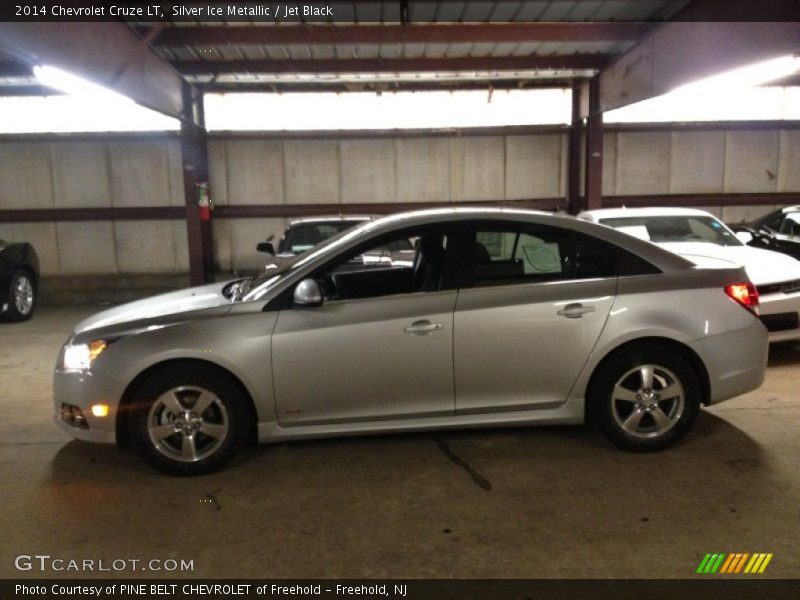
496 318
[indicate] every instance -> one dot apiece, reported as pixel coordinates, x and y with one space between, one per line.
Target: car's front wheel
645 398
21 297
189 420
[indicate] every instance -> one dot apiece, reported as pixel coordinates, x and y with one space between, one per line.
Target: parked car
503 318
778 231
304 234
702 238
19 281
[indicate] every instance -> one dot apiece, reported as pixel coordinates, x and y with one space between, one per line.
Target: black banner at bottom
396 589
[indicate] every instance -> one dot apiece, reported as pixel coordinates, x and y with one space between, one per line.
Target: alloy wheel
187 423
23 295
647 401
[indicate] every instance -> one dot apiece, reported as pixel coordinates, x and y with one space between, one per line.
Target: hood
159 310
762 266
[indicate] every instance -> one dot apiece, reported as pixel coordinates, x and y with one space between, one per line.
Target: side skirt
570 413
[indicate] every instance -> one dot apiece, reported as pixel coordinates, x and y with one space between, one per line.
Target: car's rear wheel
188 420
645 398
21 297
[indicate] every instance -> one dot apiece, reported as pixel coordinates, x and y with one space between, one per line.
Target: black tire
20 310
227 416
633 423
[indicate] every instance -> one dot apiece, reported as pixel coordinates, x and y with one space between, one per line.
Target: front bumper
83 390
780 313
736 361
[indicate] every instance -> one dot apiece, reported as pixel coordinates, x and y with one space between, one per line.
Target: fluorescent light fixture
84 106
745 77
735 95
76 86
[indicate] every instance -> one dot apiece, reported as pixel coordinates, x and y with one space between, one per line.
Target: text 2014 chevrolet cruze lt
498 317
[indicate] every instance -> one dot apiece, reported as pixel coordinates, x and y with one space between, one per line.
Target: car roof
654 211
658 256
333 218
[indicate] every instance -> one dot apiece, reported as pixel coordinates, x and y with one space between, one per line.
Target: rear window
665 229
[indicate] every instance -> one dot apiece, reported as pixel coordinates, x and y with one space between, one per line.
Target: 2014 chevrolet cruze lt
498 317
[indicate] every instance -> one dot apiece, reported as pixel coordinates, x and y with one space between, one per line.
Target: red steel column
594 149
574 155
195 170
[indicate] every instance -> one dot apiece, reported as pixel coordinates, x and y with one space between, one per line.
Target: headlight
79 357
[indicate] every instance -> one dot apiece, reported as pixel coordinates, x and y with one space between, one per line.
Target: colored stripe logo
735 563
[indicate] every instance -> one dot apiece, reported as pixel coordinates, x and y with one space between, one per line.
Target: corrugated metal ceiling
425 13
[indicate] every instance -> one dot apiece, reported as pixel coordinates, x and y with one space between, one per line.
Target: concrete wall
332 172
703 162
133 172
93 174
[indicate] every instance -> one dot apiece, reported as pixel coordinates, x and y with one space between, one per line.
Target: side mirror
266 248
744 236
307 293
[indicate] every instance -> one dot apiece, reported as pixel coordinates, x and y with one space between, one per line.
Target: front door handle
422 327
575 311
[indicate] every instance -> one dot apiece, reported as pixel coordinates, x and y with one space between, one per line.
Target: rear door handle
575 311
422 327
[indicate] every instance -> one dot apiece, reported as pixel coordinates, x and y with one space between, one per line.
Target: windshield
682 228
304 236
255 288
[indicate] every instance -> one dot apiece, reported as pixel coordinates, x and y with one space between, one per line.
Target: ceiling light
744 77
76 86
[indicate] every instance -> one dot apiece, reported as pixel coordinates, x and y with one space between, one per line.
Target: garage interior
114 217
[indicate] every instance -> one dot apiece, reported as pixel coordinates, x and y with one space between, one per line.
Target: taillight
745 294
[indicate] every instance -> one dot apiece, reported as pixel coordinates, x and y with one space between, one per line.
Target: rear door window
512 253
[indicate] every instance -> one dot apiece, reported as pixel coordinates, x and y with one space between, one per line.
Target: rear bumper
781 315
736 361
82 391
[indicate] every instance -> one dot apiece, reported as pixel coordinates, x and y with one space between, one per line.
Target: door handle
575 311
422 327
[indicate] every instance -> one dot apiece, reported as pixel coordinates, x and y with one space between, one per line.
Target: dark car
779 231
19 281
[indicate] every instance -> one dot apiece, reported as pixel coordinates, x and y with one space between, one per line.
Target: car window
774 224
791 224
518 254
405 262
677 228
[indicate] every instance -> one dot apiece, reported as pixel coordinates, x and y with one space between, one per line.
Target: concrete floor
562 502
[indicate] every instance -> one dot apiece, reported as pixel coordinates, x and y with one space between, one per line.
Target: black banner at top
396 11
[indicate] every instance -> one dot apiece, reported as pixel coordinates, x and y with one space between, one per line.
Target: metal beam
680 52
593 163
394 65
28 90
700 200
15 69
259 211
108 53
385 86
574 155
400 34
116 213
195 170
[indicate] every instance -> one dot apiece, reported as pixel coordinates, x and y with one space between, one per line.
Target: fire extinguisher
204 202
